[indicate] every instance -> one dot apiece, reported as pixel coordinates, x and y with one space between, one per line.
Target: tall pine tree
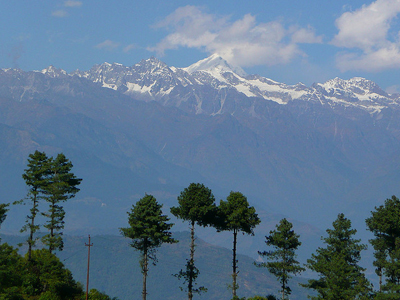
385 225
61 186
197 206
237 215
281 262
148 229
340 275
36 178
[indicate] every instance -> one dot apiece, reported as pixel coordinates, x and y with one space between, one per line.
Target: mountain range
307 153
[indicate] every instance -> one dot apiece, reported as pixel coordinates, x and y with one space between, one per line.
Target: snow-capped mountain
225 87
152 127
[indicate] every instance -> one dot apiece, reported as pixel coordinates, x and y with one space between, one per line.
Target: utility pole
88 262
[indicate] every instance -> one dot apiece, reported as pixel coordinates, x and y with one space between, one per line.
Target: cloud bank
244 41
374 45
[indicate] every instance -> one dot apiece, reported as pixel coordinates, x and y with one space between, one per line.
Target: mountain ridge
151 128
153 80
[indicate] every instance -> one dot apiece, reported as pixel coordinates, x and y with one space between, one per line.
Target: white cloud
245 41
305 36
129 47
59 13
367 31
108 45
393 89
71 3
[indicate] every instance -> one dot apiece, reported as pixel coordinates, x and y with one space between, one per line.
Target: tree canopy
281 262
61 186
196 205
235 214
148 229
340 275
385 225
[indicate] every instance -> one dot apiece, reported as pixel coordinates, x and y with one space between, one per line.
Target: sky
287 41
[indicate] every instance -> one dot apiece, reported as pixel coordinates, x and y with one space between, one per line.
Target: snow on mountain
208 85
54 72
215 65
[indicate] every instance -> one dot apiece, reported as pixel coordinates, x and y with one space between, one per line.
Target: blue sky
287 41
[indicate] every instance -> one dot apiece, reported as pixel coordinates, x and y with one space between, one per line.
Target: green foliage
36 178
196 204
269 297
282 260
46 273
340 276
149 228
385 225
42 277
3 212
97 295
11 265
235 214
61 186
189 275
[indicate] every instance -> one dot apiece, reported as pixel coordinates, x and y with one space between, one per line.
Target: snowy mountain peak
356 85
54 72
215 63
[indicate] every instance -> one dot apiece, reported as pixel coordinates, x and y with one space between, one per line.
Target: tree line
40 275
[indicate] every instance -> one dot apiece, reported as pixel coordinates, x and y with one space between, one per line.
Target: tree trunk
30 242
191 265
145 265
234 261
51 246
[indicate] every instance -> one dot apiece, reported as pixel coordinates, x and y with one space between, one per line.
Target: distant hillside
114 268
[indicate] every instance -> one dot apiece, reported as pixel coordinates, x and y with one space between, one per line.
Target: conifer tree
61 186
148 229
236 215
340 275
3 212
197 206
282 260
385 225
35 176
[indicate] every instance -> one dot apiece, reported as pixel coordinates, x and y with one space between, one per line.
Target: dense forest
40 274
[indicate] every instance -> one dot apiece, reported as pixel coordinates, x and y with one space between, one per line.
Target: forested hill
114 269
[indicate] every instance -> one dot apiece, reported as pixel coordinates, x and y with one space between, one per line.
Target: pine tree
62 185
236 215
149 229
196 205
385 225
3 212
35 177
282 260
340 276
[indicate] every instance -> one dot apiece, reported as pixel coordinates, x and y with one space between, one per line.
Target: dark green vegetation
339 274
237 215
41 275
50 180
148 230
385 225
114 269
197 206
281 262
